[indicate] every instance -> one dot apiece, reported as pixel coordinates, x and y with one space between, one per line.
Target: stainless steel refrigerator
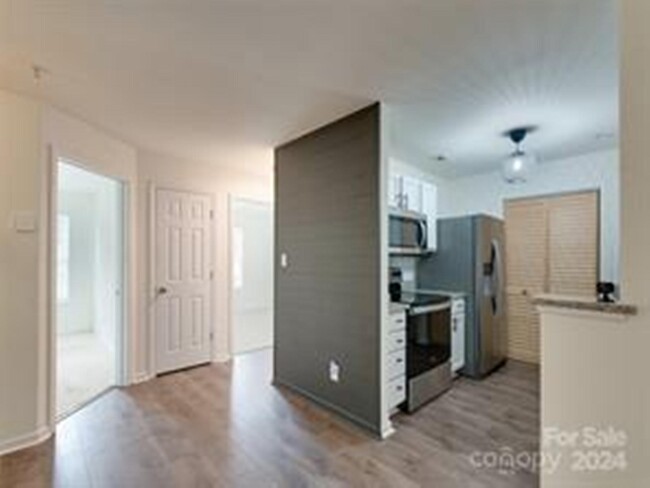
470 259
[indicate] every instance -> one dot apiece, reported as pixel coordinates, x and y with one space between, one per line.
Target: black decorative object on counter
605 290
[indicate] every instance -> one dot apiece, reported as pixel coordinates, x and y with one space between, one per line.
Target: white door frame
151 278
124 332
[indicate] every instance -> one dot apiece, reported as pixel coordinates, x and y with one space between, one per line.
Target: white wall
20 172
594 367
252 295
485 193
213 179
108 286
31 135
93 204
77 313
634 407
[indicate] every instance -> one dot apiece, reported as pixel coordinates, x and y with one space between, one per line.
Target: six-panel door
182 271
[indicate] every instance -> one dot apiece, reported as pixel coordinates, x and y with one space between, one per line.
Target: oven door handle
429 309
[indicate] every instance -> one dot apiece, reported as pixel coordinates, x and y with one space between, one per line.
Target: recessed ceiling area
226 81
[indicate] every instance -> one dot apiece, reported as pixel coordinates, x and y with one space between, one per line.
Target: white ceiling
225 81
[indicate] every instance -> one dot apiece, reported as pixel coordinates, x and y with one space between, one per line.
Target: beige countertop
584 304
394 307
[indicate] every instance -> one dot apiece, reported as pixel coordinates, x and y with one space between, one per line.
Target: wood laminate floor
225 425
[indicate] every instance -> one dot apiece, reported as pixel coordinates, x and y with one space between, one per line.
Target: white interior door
183 275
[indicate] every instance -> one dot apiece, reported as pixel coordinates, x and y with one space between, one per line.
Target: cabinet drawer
396 364
396 391
396 340
397 322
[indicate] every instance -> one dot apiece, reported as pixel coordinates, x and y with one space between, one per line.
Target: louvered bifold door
526 268
552 246
573 244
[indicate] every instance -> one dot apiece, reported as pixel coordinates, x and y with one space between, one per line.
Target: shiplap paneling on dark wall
327 301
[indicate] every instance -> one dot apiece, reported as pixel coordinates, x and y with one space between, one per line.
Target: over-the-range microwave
407 233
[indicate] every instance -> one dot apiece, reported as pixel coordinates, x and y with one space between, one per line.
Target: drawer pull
399 360
400 341
399 388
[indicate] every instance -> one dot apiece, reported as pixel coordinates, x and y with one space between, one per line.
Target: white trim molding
24 441
221 358
142 376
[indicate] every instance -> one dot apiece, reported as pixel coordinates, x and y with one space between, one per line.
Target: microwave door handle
423 234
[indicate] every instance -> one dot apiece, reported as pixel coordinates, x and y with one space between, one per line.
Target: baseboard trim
389 431
221 358
344 414
142 377
24 441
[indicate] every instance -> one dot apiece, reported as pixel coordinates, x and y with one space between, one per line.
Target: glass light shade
517 167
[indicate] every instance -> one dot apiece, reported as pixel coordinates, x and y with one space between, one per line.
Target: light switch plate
408 275
24 222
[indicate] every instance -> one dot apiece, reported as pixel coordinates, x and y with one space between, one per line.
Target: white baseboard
389 431
142 377
24 441
221 358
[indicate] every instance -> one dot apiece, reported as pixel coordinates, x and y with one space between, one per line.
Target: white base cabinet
395 360
457 334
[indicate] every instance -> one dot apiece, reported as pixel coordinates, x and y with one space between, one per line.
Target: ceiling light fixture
517 167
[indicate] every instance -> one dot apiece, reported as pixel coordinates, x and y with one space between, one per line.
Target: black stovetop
416 299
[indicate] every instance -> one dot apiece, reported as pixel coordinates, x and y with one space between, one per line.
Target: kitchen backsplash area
408 265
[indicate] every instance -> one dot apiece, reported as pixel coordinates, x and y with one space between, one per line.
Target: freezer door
490 299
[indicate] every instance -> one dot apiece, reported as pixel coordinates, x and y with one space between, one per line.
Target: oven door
428 355
428 338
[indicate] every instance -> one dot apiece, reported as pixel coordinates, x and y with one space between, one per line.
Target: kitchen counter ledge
582 304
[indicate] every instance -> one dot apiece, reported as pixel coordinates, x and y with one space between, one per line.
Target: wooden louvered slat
552 246
526 273
573 244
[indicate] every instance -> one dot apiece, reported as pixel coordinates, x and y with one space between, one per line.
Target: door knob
162 290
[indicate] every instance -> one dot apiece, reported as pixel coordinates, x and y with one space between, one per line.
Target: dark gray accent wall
327 301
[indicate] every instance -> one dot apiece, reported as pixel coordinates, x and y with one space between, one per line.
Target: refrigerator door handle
497 291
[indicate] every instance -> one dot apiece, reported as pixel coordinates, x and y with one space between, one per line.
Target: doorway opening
89 230
252 275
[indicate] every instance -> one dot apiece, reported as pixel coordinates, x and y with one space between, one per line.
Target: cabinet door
573 242
458 342
430 209
526 274
395 191
412 192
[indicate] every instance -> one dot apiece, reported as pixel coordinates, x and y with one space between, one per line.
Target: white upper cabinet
412 194
430 209
395 191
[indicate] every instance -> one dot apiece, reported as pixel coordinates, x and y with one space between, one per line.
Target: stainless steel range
428 351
